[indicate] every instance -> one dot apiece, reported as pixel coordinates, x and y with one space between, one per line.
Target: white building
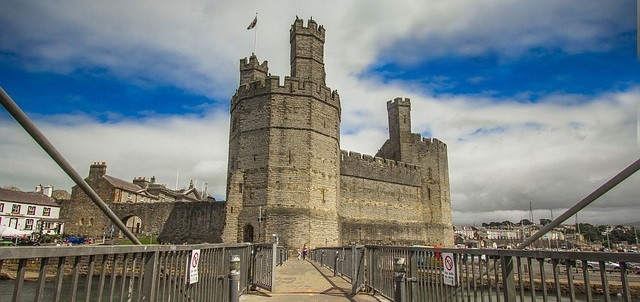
30 212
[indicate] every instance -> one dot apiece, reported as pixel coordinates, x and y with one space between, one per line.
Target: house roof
122 184
36 198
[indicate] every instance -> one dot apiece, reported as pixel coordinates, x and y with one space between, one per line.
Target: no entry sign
449 269
193 266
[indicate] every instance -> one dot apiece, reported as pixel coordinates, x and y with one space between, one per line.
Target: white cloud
191 146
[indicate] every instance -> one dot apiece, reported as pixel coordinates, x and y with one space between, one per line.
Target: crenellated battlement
293 86
430 142
311 29
366 166
252 63
398 102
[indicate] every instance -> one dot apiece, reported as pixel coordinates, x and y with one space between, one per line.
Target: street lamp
275 238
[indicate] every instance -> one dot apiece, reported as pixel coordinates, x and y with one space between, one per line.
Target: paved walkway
298 280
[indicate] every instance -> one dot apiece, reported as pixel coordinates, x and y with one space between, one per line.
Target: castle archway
133 223
248 233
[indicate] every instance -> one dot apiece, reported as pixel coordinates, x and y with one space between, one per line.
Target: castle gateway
287 176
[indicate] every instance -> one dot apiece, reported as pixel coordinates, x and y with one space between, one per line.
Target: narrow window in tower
289 156
428 193
234 124
325 123
239 187
254 157
404 119
323 200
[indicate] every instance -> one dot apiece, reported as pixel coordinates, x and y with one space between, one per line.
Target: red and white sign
449 269
193 266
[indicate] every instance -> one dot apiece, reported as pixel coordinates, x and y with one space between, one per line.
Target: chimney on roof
48 190
39 188
141 182
97 170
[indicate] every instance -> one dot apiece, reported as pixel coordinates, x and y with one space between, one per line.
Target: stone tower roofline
312 29
292 87
406 102
346 155
252 63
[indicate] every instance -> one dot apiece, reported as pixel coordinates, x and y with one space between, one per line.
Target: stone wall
170 222
376 168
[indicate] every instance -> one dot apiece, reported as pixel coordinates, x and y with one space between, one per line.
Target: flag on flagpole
253 23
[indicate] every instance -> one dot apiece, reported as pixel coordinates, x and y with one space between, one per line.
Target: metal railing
120 273
344 261
265 259
489 275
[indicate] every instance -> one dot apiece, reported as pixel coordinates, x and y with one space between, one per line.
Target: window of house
28 224
46 211
2 207
81 221
31 210
90 221
15 209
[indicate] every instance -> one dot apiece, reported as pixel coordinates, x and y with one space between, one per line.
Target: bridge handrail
495 272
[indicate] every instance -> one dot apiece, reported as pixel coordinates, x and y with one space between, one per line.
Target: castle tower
431 156
307 51
399 113
284 150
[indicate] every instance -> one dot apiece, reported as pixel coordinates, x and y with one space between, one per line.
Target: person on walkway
305 250
299 254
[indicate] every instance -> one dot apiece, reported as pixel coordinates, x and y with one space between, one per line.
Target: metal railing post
398 277
508 279
335 264
149 279
234 278
354 269
273 268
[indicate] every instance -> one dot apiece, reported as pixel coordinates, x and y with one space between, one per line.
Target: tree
525 222
545 221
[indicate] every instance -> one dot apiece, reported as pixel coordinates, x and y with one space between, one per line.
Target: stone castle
287 176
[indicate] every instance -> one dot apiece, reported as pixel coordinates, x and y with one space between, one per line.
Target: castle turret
400 137
251 70
307 51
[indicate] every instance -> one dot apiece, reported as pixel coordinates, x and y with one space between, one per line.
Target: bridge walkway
300 280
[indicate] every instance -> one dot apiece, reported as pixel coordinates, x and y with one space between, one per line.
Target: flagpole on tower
255 38
252 25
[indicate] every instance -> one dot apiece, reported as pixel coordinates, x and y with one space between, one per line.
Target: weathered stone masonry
288 176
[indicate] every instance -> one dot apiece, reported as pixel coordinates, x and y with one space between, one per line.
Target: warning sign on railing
193 266
449 269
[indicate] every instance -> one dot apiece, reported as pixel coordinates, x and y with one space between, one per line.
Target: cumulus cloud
187 147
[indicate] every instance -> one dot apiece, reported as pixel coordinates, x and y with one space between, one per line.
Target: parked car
593 265
612 266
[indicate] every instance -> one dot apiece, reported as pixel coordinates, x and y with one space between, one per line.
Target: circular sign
448 262
194 260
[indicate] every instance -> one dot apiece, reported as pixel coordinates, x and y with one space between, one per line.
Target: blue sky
527 78
145 86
